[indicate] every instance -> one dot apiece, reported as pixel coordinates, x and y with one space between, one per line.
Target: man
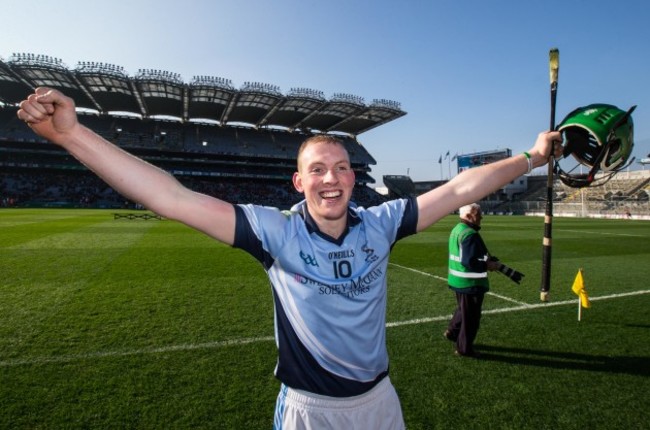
469 264
326 258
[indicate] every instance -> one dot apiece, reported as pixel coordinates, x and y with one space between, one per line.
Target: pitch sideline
252 340
525 306
522 305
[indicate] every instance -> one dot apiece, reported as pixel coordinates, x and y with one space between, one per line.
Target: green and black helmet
600 136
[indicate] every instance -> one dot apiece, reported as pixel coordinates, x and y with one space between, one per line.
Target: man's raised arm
473 184
52 115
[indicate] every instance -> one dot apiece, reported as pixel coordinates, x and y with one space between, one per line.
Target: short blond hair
319 139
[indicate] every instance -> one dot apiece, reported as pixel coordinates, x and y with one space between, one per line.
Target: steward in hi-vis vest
469 263
468 258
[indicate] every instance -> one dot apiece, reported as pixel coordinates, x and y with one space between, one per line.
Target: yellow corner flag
579 288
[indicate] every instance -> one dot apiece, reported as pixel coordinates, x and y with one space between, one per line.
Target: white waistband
317 400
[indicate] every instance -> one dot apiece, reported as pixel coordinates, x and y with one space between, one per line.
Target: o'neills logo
337 255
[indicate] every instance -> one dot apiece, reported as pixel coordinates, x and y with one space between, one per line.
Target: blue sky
471 75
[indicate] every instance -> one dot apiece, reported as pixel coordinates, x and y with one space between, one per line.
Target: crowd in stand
66 185
43 189
82 189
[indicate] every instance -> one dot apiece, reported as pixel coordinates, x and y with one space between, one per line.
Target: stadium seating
239 164
624 192
399 186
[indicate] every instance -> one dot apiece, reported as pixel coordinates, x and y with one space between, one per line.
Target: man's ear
297 182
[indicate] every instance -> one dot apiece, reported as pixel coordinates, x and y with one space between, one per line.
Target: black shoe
449 336
472 354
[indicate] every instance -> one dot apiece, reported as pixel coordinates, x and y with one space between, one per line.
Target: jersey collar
353 219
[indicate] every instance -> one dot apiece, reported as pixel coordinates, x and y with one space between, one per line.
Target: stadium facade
239 144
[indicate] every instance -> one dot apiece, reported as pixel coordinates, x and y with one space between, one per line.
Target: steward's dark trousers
466 320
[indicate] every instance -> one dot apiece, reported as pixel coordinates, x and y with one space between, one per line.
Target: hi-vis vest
459 275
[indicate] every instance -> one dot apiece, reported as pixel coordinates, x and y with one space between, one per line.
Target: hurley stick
554 67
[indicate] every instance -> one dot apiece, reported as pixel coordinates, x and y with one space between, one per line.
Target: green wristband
530 161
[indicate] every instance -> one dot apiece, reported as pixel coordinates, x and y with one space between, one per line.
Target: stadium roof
106 88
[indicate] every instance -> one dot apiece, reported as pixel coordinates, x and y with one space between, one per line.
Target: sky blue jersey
330 295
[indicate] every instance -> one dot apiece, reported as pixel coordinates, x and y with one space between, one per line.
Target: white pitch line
523 307
604 233
440 278
508 299
141 351
252 340
419 272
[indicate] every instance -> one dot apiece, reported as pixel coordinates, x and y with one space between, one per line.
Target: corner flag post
554 67
578 288
579 309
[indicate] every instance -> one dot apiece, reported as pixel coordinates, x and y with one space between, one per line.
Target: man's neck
332 229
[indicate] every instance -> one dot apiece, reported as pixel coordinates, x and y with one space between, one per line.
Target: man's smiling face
326 178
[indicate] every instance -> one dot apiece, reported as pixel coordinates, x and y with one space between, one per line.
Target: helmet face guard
599 136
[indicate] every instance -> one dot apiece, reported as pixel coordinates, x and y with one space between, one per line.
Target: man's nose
331 176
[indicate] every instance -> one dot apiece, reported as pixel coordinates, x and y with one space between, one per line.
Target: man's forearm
473 184
132 177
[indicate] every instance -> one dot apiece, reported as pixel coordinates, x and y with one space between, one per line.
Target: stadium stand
399 186
237 144
625 195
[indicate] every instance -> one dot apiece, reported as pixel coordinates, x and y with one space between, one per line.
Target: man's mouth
331 194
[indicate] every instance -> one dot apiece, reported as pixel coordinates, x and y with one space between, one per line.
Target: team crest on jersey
370 254
308 259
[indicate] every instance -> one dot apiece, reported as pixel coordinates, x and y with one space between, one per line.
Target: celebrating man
333 363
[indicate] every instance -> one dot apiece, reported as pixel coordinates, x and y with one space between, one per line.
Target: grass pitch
109 323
